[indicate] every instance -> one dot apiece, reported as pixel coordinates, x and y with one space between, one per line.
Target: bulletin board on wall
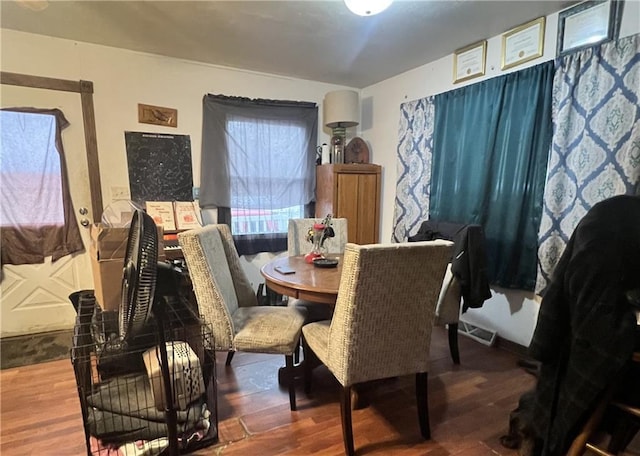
159 167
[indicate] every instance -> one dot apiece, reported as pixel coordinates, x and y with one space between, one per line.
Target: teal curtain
490 148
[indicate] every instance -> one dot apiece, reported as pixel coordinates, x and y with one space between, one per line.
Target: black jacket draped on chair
468 262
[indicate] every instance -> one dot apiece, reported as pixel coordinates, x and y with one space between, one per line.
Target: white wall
512 314
122 79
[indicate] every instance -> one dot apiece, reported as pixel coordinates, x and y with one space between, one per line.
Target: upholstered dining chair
448 310
297 244
382 322
466 284
227 301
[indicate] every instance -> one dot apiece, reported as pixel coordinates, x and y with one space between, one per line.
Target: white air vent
482 335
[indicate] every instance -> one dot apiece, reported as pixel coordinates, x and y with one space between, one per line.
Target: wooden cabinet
351 191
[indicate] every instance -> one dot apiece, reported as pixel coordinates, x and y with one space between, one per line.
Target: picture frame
470 61
157 115
588 24
523 43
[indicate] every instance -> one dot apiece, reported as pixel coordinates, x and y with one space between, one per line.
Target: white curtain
258 167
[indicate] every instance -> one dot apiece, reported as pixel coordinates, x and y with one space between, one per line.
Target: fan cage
139 278
118 398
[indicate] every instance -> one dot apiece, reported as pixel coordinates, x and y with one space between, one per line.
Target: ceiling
315 40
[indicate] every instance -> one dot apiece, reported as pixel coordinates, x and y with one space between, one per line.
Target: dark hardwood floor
469 408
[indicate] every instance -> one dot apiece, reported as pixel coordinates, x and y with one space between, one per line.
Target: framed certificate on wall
588 24
469 62
523 43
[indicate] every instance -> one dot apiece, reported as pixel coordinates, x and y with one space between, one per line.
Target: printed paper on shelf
186 217
162 214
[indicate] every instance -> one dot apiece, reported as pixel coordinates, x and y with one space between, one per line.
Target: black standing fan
120 334
138 297
139 275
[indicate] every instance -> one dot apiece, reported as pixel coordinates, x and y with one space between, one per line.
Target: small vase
318 249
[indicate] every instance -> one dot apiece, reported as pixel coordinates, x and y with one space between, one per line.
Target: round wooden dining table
307 281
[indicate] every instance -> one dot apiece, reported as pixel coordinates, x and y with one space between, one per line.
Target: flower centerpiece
317 234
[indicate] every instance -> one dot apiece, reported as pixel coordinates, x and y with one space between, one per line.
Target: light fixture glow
33 5
367 7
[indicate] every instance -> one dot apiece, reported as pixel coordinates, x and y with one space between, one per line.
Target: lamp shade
341 108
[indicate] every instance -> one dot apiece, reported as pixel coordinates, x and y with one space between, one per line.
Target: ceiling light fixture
367 7
33 5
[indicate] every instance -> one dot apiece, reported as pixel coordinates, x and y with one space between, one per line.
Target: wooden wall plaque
157 115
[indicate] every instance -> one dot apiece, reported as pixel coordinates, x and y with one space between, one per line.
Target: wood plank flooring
469 408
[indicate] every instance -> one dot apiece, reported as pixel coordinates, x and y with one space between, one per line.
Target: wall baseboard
512 347
35 348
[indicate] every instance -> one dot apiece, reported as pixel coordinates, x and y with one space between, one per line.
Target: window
31 192
269 217
36 214
258 167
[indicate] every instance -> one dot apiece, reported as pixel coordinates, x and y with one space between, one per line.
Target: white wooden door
35 298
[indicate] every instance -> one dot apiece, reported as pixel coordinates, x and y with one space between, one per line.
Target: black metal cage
154 393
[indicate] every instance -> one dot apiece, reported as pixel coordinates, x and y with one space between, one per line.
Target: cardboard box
108 249
107 280
109 243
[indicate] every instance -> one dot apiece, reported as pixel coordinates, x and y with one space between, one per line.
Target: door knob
84 222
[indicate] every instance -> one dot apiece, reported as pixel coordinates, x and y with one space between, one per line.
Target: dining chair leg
345 412
288 359
453 342
296 354
422 401
230 354
308 367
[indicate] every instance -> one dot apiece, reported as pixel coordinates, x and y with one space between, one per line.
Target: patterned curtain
596 142
413 168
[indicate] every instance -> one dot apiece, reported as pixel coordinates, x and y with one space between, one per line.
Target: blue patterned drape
413 167
596 143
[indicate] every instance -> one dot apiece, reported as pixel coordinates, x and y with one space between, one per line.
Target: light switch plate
120 193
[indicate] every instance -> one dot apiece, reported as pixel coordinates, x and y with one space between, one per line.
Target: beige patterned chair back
297 243
218 281
385 310
244 290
